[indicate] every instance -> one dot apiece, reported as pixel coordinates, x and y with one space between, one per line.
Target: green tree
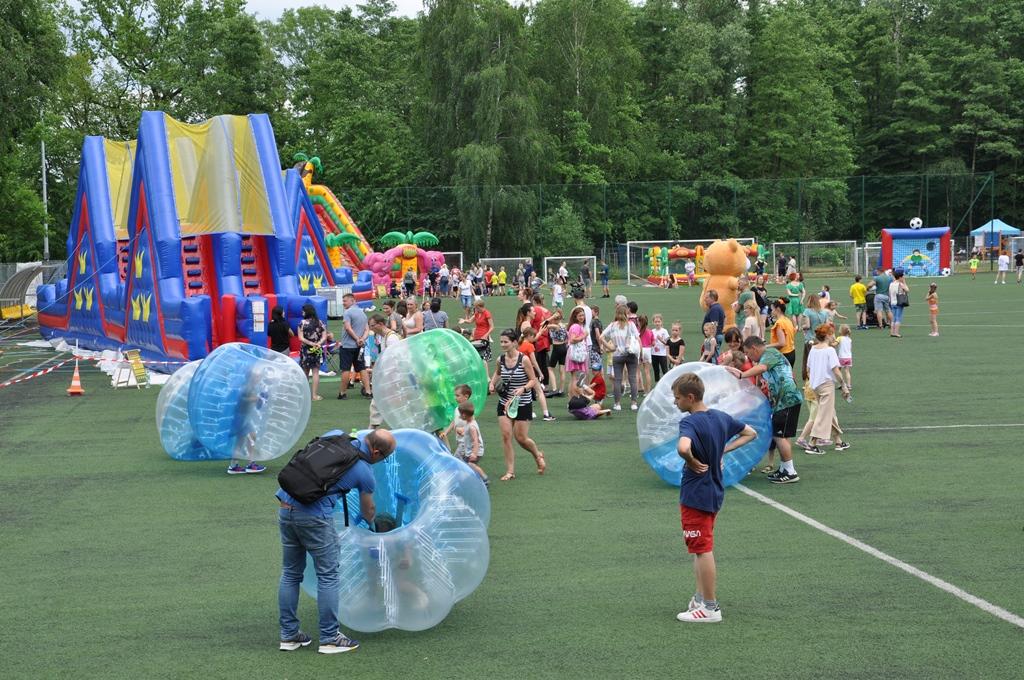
31 62
479 119
562 231
793 129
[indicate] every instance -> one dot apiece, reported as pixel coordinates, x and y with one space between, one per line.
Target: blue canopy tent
990 233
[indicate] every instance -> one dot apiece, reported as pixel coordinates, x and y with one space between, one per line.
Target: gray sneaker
338 645
300 639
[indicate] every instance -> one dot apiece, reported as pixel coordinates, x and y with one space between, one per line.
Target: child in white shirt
844 349
557 293
471 442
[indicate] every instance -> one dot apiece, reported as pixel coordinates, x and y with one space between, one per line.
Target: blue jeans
302 533
897 314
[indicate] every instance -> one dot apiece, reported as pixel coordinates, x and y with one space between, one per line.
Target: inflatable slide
185 239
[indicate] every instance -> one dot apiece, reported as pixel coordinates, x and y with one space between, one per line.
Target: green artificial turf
121 563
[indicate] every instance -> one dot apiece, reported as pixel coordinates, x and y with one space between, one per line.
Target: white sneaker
633 407
700 615
617 407
693 603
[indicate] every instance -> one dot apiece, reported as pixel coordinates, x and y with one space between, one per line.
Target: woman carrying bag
899 299
622 339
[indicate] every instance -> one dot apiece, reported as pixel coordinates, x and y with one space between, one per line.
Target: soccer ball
946 271
916 223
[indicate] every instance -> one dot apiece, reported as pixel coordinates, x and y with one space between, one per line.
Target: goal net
868 257
573 265
648 261
511 265
818 257
452 258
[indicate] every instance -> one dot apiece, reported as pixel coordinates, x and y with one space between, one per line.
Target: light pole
46 220
46 214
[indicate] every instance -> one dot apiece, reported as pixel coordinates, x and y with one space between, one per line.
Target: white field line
884 428
946 586
37 366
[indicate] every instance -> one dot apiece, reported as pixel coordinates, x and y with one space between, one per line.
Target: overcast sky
271 9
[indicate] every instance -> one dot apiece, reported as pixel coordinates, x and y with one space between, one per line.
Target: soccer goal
643 261
452 258
868 257
511 265
573 266
819 257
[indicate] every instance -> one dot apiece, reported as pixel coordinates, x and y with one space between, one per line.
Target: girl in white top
558 293
844 350
413 321
1004 266
823 371
659 350
752 321
466 293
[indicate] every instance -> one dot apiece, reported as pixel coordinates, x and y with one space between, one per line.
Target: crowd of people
565 350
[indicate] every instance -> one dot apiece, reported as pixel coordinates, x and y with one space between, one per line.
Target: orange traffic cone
76 384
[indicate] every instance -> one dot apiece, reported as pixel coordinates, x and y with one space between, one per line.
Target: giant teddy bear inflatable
725 261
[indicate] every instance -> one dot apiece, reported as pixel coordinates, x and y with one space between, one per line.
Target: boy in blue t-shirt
703 441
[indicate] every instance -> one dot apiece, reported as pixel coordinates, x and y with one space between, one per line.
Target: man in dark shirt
715 314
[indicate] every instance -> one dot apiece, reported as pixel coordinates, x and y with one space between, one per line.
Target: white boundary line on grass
41 363
948 587
884 428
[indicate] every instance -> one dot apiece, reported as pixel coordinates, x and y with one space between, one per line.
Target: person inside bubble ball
249 419
310 528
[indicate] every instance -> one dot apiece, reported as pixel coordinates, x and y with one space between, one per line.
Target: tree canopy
509 129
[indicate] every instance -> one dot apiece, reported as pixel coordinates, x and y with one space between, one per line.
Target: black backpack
311 472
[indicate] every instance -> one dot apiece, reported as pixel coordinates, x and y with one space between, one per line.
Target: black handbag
902 300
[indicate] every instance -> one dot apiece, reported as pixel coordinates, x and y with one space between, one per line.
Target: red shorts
698 529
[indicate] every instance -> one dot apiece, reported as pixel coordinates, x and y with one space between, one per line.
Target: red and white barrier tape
100 359
22 379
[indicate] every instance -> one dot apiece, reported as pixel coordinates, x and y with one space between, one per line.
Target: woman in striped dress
514 377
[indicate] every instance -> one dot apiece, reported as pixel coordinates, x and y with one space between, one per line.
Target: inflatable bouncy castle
185 239
347 248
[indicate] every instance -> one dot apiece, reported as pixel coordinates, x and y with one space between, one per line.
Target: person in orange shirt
783 332
528 349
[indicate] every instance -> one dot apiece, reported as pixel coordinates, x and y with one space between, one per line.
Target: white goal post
637 264
573 264
868 256
450 256
817 257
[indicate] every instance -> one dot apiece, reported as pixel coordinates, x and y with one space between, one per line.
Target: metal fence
515 220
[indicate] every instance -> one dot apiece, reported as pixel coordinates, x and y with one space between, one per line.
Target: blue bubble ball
409 578
247 401
657 422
